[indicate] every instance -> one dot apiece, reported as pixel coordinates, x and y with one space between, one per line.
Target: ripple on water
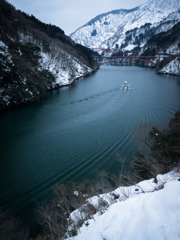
77 130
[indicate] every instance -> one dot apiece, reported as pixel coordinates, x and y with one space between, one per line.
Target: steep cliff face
109 29
35 57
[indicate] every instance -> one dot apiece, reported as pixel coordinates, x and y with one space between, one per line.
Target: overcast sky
71 14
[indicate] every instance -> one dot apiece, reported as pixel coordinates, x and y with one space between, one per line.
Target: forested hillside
166 44
162 46
35 57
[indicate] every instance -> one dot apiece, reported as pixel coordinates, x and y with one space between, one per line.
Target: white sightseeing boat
126 85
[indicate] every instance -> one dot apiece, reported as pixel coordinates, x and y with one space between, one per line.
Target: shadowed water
78 130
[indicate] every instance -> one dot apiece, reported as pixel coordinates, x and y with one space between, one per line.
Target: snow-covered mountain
109 29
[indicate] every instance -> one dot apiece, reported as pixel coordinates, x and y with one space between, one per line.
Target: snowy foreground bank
147 210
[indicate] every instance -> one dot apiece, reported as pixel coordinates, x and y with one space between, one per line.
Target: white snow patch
24 81
174 49
11 38
76 193
130 47
145 214
3 48
6 99
1 90
172 68
20 53
3 45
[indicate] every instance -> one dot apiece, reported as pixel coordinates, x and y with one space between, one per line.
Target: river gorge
75 131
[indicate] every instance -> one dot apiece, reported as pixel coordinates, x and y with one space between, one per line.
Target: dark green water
78 130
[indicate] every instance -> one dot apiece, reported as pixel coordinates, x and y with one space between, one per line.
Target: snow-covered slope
144 211
172 68
168 22
63 66
107 30
139 36
35 57
166 42
58 65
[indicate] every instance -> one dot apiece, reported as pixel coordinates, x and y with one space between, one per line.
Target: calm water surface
75 131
